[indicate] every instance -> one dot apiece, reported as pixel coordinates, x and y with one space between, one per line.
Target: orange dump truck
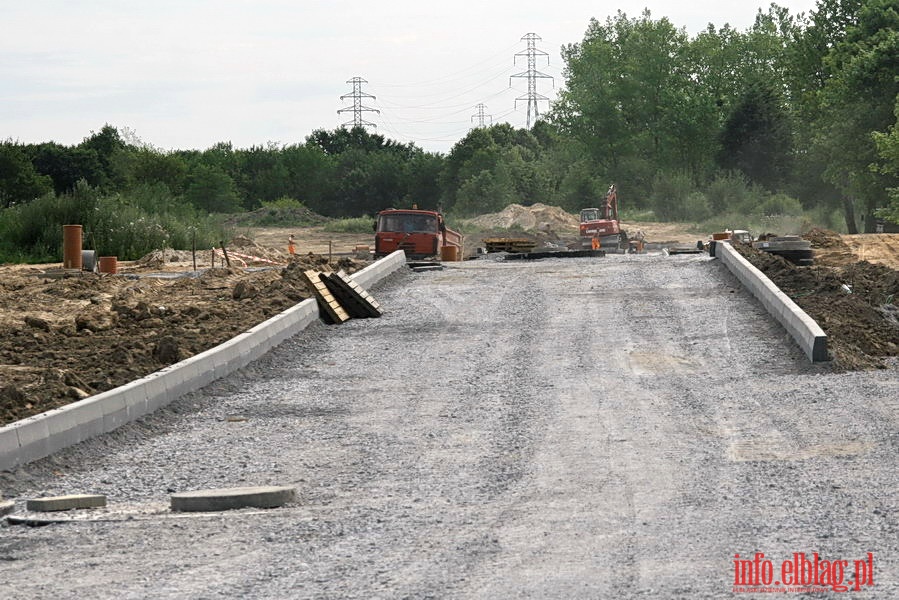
420 233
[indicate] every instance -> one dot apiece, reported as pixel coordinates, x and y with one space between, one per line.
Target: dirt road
590 428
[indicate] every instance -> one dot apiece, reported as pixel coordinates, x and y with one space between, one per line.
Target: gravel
574 428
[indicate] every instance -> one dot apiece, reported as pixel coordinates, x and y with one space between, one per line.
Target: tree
19 182
857 101
105 144
471 155
212 190
148 166
757 137
262 176
484 192
67 165
888 150
310 175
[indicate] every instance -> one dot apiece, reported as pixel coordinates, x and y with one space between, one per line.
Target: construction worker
594 243
640 239
291 245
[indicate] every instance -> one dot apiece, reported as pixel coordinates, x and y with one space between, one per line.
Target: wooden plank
334 312
358 302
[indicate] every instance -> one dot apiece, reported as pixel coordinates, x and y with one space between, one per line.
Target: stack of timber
340 298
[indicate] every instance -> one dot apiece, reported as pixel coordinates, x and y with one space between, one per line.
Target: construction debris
509 244
556 254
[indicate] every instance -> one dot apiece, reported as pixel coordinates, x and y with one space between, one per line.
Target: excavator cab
589 214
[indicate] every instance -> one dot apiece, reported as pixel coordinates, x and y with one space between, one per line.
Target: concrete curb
41 435
377 271
232 498
807 333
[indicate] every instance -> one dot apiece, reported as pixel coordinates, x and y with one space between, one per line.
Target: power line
358 108
532 74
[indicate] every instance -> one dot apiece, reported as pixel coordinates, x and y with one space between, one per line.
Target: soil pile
829 247
854 304
65 339
537 217
242 251
879 248
824 238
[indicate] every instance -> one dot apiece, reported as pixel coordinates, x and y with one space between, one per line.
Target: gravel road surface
583 428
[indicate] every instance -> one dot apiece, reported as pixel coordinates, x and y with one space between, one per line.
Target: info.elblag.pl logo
802 574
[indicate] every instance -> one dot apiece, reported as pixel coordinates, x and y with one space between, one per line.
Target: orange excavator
600 228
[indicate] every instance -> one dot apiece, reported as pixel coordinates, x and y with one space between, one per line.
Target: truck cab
419 233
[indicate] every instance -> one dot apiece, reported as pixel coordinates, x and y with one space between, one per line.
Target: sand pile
537 217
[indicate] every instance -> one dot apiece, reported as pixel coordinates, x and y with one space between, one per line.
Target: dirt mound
854 304
824 238
537 217
879 248
830 249
242 251
159 258
274 216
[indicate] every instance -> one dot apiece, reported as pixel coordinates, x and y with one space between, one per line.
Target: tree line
795 114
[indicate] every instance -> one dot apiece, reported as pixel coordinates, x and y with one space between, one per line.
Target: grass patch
350 225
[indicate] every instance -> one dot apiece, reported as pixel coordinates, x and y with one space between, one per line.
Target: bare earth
63 338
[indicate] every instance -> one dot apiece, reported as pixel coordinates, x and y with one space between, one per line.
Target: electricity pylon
532 75
481 116
358 108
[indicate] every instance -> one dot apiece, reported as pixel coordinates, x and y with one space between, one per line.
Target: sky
188 74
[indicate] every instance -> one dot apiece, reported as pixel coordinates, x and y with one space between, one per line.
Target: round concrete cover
232 498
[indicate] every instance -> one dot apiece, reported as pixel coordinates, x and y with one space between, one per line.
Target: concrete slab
65 502
6 507
203 368
377 271
134 396
232 498
76 422
9 441
34 435
157 393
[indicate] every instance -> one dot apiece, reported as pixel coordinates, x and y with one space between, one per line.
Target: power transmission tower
358 108
481 116
532 74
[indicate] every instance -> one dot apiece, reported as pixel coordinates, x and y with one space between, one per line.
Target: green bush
696 207
729 192
780 204
284 202
351 225
758 223
126 225
669 196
